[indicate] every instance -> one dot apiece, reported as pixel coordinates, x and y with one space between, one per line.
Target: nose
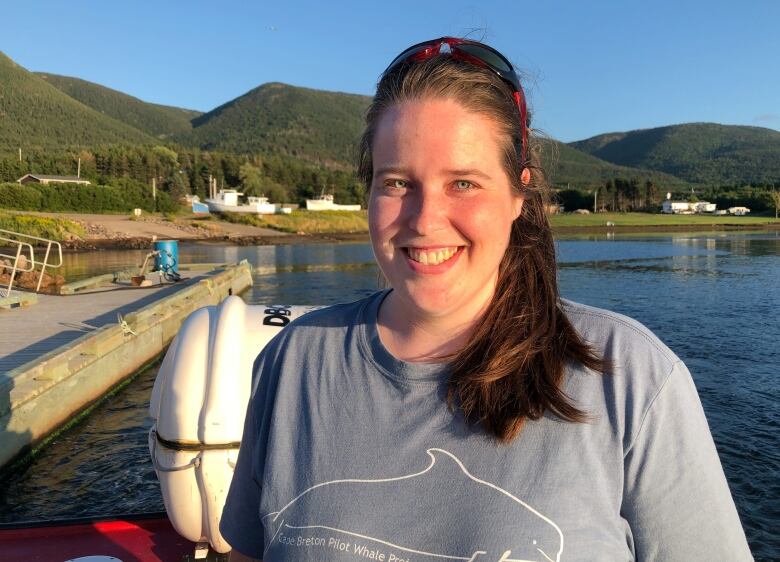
426 212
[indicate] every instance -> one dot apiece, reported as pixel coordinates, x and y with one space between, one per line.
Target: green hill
567 166
35 114
705 153
161 121
279 119
325 127
53 113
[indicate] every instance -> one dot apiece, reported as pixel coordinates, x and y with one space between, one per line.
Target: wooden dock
27 333
64 352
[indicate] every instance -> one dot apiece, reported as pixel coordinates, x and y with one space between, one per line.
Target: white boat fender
198 404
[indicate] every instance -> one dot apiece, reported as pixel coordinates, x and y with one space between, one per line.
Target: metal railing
21 246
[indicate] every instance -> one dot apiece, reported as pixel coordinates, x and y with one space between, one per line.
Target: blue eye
396 184
463 185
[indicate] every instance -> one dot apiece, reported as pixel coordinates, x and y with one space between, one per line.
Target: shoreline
283 239
142 242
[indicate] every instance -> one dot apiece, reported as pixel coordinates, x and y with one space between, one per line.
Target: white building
704 207
676 207
739 211
685 207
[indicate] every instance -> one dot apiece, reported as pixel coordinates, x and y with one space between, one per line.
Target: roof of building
52 178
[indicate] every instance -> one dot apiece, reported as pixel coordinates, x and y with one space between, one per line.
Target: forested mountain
161 121
705 153
52 118
569 167
35 114
325 127
280 119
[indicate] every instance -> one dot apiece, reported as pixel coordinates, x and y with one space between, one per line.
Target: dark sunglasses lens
488 56
407 54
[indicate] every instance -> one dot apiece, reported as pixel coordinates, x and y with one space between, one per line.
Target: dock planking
26 333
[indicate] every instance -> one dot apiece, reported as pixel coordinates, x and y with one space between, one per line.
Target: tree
608 200
176 187
251 179
573 199
163 161
651 194
276 193
774 196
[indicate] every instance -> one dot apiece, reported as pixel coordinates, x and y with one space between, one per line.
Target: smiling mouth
432 257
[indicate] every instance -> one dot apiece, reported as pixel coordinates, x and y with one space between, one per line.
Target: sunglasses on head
477 54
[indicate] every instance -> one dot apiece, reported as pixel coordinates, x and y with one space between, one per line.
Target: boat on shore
325 202
226 201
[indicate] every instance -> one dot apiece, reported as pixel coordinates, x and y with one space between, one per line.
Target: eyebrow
469 172
405 171
390 170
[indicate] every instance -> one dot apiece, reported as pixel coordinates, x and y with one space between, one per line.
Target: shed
39 178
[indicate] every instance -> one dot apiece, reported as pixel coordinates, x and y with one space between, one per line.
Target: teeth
434 257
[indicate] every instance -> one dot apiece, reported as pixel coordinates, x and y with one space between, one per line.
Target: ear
525 176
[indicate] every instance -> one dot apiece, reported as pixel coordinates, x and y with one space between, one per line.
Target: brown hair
512 367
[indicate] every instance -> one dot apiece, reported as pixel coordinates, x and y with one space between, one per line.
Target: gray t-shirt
350 454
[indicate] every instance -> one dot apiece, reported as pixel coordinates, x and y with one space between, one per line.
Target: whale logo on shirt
442 512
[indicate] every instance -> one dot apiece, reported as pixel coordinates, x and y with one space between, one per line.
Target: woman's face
441 207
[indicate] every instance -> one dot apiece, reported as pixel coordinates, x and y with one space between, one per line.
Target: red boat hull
136 540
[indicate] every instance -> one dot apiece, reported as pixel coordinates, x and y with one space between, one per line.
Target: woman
467 413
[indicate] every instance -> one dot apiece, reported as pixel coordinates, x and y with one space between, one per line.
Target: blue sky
592 67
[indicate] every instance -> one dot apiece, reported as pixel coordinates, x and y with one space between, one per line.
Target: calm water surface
713 298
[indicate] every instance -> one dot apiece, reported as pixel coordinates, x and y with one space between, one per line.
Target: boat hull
251 209
320 205
150 538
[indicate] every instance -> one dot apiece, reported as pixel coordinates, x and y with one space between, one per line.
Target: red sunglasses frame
429 49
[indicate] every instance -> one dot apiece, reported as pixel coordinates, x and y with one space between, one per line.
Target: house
686 208
39 178
739 211
704 207
676 207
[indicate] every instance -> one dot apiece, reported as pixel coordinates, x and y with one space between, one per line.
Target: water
713 298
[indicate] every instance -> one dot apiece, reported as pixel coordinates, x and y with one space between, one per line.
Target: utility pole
78 171
154 189
595 200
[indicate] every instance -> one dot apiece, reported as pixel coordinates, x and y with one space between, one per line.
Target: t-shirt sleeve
240 524
676 498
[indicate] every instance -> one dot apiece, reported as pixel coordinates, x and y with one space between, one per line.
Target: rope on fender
195 463
126 329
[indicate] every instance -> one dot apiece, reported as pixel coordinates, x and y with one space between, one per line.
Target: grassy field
307 222
43 227
342 222
569 220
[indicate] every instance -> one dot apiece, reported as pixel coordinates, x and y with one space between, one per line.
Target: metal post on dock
43 267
